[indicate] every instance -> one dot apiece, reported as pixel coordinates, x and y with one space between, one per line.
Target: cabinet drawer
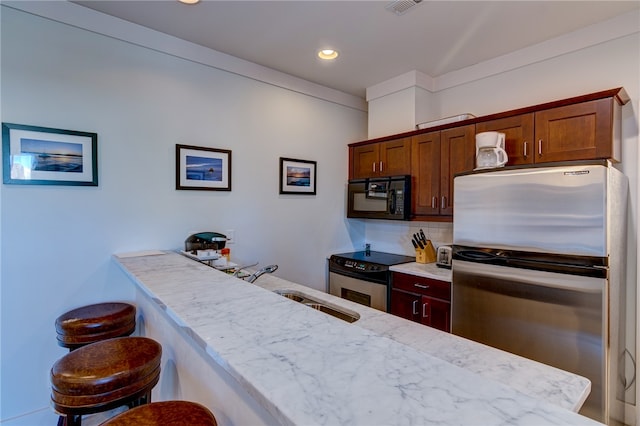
422 285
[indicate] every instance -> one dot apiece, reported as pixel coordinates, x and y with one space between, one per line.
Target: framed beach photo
44 156
297 176
201 168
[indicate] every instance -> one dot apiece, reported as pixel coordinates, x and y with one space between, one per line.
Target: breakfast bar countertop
306 367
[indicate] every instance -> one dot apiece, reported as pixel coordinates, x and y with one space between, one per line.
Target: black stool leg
70 420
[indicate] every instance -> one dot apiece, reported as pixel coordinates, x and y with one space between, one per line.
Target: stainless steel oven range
363 276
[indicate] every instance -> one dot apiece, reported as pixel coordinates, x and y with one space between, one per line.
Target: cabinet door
519 137
436 313
425 172
457 150
365 161
405 305
575 132
395 157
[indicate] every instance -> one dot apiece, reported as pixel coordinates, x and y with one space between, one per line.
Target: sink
342 314
334 312
291 296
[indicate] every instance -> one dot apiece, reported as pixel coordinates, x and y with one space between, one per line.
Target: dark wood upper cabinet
425 173
435 159
389 158
581 128
457 155
519 136
582 131
363 160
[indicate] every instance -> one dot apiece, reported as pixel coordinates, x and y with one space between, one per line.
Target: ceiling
375 44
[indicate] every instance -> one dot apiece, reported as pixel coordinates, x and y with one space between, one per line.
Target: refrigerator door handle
529 276
476 255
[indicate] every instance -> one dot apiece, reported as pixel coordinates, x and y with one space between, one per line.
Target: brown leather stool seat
105 375
93 323
165 413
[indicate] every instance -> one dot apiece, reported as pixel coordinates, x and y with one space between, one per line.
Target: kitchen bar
296 365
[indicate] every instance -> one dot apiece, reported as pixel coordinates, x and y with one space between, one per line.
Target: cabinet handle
524 149
540 147
443 204
415 307
420 286
373 166
434 202
424 310
381 167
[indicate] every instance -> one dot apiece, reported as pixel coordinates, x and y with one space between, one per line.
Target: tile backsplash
395 237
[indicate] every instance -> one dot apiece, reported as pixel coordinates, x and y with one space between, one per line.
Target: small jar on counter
226 253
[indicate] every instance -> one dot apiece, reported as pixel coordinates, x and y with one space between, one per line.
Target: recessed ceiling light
189 1
327 54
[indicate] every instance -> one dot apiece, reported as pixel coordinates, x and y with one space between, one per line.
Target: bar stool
105 375
165 413
93 323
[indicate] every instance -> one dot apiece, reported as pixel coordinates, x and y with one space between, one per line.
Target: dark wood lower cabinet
422 300
405 304
436 313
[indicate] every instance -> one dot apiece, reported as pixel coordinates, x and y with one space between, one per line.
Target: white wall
392 114
57 241
400 103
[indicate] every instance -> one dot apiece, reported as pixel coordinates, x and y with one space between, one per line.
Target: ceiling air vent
400 7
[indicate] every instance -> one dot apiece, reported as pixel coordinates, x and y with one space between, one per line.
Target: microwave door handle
392 202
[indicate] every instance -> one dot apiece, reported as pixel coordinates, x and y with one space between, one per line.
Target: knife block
426 255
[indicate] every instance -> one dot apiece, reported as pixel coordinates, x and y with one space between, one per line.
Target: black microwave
380 198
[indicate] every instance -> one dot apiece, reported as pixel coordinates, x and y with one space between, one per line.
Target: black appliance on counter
380 198
364 277
205 241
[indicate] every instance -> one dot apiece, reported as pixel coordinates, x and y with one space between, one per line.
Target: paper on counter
140 253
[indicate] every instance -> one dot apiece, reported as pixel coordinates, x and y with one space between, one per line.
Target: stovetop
377 257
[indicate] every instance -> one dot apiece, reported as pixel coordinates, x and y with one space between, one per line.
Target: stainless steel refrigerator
538 270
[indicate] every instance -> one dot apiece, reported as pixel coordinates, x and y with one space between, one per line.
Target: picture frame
297 176
202 168
34 155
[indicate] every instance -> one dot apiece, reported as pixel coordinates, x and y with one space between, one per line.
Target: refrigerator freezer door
556 319
546 209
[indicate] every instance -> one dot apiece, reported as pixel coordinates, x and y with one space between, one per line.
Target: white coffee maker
490 151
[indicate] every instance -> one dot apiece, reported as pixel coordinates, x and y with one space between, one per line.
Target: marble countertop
427 270
306 367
